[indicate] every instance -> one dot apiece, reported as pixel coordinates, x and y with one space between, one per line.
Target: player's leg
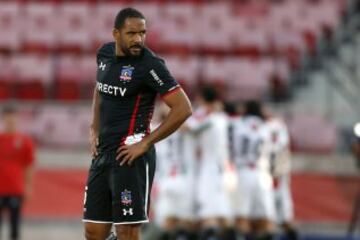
112 236
228 231
14 205
209 228
286 210
97 231
243 206
290 230
130 193
167 207
169 227
243 227
264 229
209 221
214 204
187 229
128 231
2 206
264 211
184 209
97 201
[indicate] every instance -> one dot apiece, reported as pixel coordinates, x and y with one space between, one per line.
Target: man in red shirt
16 160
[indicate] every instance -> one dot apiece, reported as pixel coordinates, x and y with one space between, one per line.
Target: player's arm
94 127
196 126
180 110
29 159
29 173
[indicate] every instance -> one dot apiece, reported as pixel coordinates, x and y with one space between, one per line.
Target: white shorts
212 198
175 199
283 200
254 198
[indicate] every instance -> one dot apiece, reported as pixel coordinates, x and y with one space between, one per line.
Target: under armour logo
102 66
128 211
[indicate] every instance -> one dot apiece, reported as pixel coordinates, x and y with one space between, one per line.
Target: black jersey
128 87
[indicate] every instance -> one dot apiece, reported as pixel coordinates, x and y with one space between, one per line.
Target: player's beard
134 53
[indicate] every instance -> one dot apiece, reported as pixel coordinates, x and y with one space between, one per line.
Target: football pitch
73 230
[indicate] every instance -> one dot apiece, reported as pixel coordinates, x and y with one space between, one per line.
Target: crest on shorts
126 198
126 73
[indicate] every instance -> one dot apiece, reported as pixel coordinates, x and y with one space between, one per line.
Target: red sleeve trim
175 89
133 116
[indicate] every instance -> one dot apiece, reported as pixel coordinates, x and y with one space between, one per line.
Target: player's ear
116 33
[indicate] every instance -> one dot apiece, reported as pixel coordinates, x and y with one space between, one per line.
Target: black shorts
119 194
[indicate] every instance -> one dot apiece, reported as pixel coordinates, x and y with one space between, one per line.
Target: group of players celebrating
224 174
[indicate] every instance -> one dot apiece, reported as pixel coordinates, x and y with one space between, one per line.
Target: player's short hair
230 108
125 13
209 94
253 108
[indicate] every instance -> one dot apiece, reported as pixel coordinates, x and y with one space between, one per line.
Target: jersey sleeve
160 79
104 54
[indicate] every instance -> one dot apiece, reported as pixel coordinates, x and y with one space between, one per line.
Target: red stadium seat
32 90
88 73
51 126
10 26
75 77
67 91
68 77
246 80
185 69
5 90
104 14
250 38
40 27
6 77
7 69
214 22
74 27
155 24
180 37
33 76
252 30
311 133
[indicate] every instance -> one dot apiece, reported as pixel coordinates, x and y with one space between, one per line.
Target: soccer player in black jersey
129 77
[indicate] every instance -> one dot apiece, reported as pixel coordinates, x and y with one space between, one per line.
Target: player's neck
118 51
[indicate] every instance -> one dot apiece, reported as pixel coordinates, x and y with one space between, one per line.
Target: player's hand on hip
126 154
94 143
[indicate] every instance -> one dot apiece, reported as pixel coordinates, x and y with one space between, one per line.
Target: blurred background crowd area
301 57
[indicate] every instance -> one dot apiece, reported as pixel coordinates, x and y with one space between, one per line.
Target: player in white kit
254 202
210 124
281 168
175 203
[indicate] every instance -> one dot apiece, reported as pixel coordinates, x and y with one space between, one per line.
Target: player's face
131 37
9 121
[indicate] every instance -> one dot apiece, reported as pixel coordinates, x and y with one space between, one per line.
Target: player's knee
130 232
264 226
93 234
243 225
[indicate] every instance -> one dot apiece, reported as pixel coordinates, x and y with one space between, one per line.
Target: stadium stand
264 30
249 49
311 133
